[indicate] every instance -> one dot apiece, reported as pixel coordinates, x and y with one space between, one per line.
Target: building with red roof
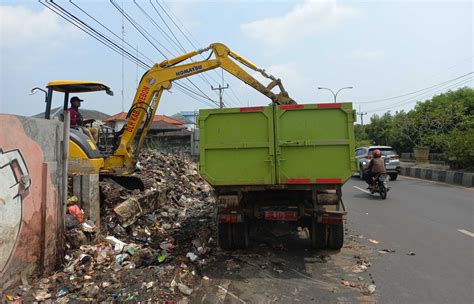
166 133
160 122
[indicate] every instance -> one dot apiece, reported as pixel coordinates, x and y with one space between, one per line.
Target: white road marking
231 294
466 232
363 190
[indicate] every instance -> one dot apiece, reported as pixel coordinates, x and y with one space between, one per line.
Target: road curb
465 179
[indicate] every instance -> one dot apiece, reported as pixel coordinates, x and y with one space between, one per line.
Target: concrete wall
446 176
30 191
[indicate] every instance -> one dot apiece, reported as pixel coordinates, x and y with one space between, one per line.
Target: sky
382 49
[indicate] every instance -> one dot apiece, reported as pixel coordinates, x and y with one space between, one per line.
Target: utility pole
221 89
361 114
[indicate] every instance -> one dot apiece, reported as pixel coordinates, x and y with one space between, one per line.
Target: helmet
376 153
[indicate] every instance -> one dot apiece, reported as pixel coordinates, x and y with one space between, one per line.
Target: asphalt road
424 218
418 217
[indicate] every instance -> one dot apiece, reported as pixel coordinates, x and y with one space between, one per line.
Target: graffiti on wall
28 198
13 188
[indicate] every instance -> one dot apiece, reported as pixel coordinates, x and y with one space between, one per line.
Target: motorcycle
380 186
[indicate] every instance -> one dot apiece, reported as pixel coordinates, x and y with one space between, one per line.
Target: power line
202 76
63 13
110 31
416 98
92 32
169 29
141 30
411 93
236 97
419 96
172 42
182 32
194 98
167 37
186 90
172 20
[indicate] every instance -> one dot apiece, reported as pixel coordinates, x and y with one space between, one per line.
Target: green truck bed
285 144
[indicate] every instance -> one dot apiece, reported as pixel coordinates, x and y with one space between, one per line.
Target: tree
380 129
445 123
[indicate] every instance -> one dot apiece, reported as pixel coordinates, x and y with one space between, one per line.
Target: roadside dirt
287 270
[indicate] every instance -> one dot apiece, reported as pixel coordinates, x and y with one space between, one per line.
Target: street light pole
334 94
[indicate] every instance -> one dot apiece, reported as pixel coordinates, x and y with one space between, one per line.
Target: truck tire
336 236
393 176
240 235
318 235
224 236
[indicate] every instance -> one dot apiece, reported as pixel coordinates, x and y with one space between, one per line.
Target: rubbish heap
151 245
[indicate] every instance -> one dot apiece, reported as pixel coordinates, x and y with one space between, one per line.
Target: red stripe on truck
328 181
251 109
329 105
291 107
297 181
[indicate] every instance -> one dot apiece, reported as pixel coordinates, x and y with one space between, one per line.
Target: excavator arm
160 77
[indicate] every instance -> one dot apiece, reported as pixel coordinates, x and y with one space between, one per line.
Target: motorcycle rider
376 166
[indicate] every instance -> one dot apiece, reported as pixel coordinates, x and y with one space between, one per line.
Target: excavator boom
160 77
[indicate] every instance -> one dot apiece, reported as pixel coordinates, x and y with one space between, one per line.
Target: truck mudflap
327 230
330 218
232 229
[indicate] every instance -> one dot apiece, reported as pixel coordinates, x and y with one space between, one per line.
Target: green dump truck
281 164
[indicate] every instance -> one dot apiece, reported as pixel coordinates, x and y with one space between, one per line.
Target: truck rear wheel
240 235
336 236
224 236
233 235
318 235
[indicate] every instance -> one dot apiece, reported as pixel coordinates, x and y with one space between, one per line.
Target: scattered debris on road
384 251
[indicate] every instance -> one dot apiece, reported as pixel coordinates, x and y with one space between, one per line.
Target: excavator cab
84 155
71 86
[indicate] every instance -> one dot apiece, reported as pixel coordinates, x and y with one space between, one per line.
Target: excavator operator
78 122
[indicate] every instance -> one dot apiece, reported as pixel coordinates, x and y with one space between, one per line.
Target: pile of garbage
151 245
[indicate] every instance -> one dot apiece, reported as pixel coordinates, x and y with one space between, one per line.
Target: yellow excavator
85 157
